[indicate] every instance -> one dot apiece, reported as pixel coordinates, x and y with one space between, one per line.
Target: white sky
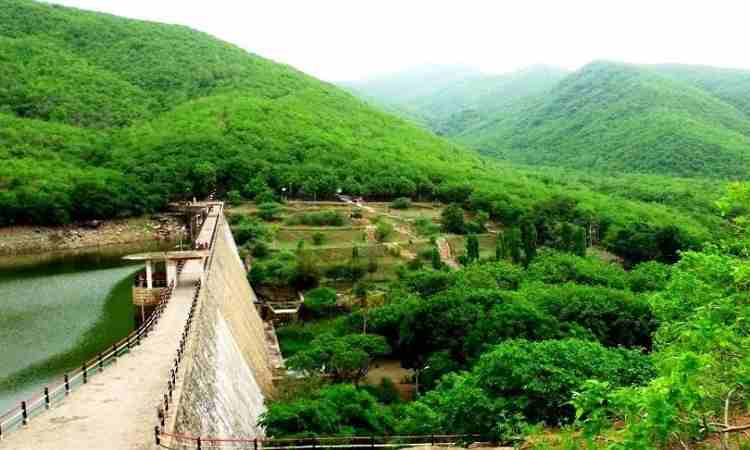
352 39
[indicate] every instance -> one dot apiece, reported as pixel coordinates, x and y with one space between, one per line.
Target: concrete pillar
171 272
149 271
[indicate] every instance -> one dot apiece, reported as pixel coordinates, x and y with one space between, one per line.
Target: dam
199 364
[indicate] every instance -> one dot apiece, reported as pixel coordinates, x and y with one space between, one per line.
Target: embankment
229 373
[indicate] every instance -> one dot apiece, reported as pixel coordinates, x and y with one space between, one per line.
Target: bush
234 198
321 302
649 276
426 227
269 210
318 238
319 219
401 203
383 231
260 250
248 231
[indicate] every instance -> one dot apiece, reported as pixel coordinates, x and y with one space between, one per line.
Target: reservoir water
57 310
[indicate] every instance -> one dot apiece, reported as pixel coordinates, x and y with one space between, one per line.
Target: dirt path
445 253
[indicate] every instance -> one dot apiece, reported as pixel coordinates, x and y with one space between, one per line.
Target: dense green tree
452 219
472 248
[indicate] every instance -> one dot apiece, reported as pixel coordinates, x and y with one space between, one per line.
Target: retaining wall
229 374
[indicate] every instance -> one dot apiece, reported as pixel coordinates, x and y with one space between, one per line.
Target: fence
342 442
21 414
163 409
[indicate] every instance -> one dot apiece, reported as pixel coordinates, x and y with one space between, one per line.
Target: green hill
622 118
102 117
729 85
450 99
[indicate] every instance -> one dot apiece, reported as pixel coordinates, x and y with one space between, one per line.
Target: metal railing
341 442
163 409
26 409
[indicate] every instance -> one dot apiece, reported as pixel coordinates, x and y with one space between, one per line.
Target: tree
452 219
529 238
514 245
254 187
321 302
435 260
204 178
579 241
345 358
234 198
472 248
501 249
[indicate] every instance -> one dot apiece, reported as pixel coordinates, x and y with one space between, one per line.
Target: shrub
318 218
318 238
383 231
401 203
234 198
321 302
269 210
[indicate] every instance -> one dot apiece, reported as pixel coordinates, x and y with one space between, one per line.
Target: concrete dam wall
229 374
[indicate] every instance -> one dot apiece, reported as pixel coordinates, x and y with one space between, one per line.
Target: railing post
372 441
156 435
198 441
101 363
255 444
67 384
24 413
114 351
85 374
46 397
432 439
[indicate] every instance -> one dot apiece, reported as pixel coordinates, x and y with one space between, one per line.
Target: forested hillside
450 99
662 119
623 118
104 117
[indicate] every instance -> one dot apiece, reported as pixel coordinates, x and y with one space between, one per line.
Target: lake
59 309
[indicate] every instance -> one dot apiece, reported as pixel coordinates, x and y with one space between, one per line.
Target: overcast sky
352 39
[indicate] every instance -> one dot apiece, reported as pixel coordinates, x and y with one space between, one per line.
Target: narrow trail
446 255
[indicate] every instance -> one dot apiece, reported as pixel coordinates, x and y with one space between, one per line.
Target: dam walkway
117 408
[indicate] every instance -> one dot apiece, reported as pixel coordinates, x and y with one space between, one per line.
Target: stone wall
228 374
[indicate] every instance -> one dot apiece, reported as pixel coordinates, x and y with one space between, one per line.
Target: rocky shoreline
26 240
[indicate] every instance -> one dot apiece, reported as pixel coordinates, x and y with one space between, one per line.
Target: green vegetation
452 99
202 115
665 119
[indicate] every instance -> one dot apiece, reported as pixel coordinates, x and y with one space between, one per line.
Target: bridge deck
117 408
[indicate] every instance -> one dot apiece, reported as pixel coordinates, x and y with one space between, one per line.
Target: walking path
445 253
117 408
